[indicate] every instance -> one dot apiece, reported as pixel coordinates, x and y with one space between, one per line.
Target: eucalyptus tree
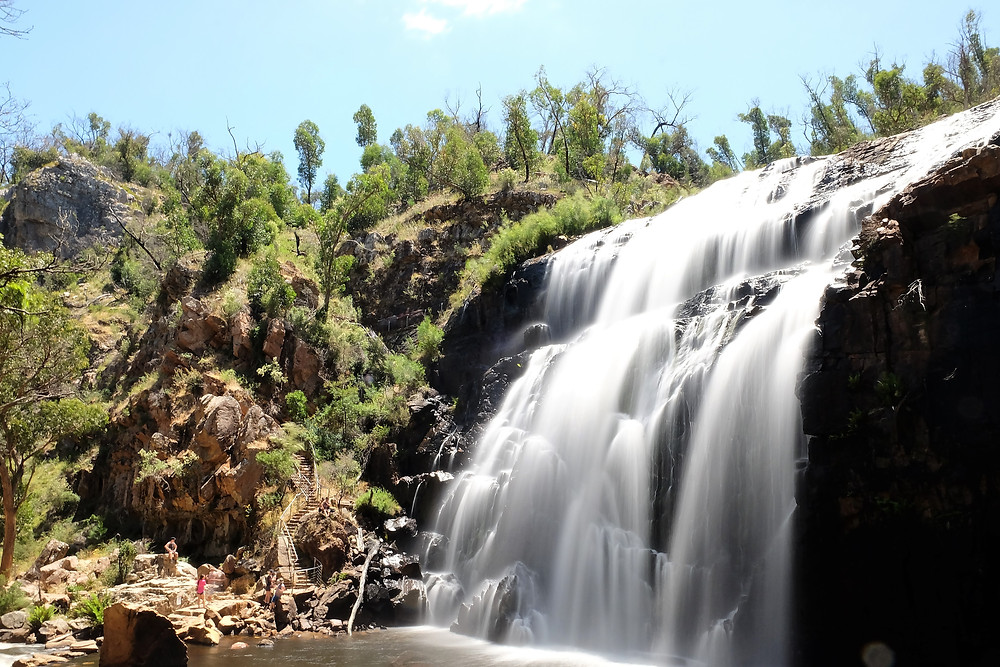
765 150
521 141
310 147
367 128
364 202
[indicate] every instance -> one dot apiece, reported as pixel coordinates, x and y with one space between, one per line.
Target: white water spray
633 494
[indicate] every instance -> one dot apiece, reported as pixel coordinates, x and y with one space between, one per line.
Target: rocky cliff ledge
66 207
898 505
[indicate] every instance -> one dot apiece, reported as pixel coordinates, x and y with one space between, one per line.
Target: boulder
56 627
305 368
217 431
140 638
199 328
274 339
59 572
39 660
205 634
179 280
229 625
327 538
13 620
241 328
53 551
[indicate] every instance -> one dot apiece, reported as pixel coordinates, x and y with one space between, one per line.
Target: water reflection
396 647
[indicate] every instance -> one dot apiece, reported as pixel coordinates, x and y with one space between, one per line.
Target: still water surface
396 647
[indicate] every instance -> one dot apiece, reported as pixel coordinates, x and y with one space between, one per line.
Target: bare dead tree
9 15
14 128
479 119
135 238
671 115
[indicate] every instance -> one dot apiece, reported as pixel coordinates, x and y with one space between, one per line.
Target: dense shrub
532 235
12 597
267 291
295 403
377 503
428 343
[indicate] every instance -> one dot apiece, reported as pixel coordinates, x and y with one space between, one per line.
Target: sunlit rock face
634 490
66 207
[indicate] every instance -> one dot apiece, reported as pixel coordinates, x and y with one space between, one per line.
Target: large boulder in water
140 638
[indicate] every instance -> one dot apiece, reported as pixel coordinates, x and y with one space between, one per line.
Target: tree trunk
361 585
9 521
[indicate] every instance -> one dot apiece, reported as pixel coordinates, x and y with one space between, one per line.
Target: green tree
242 202
722 153
130 156
367 128
43 355
673 153
331 192
414 151
899 102
830 125
310 147
461 166
549 103
975 66
765 150
521 142
364 202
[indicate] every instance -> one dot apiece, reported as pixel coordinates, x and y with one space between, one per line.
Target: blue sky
263 66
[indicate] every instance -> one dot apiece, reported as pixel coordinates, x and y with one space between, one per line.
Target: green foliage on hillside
534 234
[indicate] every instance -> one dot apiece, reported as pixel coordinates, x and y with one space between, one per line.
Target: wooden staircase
295 568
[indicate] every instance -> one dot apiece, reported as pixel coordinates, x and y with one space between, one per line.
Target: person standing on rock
202 583
279 588
268 585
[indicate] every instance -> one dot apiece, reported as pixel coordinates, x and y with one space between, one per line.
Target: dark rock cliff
898 524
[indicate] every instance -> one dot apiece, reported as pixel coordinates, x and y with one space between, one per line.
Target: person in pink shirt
202 582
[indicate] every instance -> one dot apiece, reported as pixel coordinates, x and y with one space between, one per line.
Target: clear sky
264 66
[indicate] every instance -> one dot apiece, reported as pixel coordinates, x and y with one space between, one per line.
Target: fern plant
92 607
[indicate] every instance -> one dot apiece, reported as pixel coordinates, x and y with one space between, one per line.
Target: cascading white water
633 494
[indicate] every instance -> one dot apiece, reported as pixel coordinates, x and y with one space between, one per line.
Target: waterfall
633 494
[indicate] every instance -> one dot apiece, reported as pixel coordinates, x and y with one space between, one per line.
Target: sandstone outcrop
327 538
140 638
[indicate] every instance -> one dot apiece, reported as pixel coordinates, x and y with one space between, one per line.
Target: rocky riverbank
155 614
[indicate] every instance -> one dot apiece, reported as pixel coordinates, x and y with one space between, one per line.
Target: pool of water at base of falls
395 647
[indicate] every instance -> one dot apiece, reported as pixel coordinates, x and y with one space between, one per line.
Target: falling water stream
633 494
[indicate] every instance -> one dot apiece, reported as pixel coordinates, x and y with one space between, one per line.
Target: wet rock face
489 327
898 504
70 205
